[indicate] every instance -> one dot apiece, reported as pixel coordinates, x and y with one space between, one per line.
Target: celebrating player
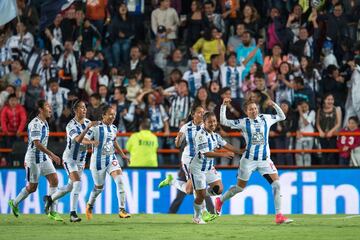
257 154
38 160
74 159
103 160
188 132
202 168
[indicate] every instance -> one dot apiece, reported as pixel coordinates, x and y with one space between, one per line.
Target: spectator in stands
142 147
250 18
334 83
5 94
305 124
94 110
159 119
15 42
29 15
272 64
92 78
302 92
211 43
202 99
67 65
18 77
56 96
104 94
195 23
167 17
229 10
214 67
212 18
122 31
5 58
32 93
196 77
98 14
236 40
161 48
259 82
352 105
275 31
346 144
282 86
283 130
243 51
176 61
328 121
134 62
48 69
310 74
133 88
13 119
214 93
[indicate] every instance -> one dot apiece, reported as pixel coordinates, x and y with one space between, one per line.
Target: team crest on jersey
114 163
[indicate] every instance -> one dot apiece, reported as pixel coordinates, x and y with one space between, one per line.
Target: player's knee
31 188
188 189
276 185
54 181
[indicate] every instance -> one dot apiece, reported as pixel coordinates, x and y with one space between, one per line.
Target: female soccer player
257 154
38 160
103 160
202 168
187 133
74 158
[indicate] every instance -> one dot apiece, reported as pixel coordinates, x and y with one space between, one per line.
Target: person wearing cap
166 16
162 47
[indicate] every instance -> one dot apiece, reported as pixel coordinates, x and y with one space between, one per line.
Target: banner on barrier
323 191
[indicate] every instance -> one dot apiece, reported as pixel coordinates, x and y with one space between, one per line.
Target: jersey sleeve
274 118
221 142
184 132
234 124
201 143
90 134
35 131
72 131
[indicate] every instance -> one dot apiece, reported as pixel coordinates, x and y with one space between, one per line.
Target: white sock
120 191
93 195
60 192
181 185
53 207
21 196
197 210
277 195
74 195
203 206
232 191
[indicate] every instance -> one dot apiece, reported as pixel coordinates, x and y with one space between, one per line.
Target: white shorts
73 166
200 179
34 170
186 169
99 175
247 167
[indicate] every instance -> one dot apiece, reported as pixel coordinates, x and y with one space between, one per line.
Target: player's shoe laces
123 213
166 182
198 221
47 202
88 211
279 219
218 205
55 216
15 210
74 217
208 217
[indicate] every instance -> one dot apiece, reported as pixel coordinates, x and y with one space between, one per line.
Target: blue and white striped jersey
189 131
75 151
206 142
37 130
104 153
255 132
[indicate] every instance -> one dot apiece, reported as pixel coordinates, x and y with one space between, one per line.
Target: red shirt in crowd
13 120
96 9
348 141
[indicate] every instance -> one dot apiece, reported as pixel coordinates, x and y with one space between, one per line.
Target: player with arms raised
38 160
202 170
74 159
257 154
103 160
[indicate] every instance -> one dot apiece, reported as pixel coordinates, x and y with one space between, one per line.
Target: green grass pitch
163 226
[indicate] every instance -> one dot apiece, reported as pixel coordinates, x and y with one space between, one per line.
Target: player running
202 168
103 160
38 160
74 159
257 154
187 133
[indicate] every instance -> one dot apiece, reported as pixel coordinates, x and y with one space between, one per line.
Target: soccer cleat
208 217
88 211
166 182
218 205
198 221
74 217
123 213
55 216
15 210
47 202
279 219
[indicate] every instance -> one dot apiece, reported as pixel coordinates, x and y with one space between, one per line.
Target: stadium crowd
157 59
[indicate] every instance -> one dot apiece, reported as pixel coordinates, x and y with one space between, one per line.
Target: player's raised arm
280 115
235 124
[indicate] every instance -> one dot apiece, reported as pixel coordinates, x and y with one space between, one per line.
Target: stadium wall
315 191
